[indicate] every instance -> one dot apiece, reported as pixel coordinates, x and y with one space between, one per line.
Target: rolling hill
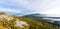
8 21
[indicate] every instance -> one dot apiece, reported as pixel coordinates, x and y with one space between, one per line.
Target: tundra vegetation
8 21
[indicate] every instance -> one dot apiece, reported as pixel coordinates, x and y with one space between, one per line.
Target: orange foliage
1 27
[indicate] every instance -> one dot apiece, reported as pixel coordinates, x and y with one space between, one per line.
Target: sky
24 7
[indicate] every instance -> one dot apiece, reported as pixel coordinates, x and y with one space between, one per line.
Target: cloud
53 9
31 6
37 5
10 10
26 4
17 6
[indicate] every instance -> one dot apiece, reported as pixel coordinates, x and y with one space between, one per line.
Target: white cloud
31 5
52 12
10 10
37 5
40 6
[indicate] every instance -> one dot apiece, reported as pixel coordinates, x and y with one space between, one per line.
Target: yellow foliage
1 27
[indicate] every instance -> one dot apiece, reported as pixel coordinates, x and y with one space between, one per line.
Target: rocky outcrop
22 24
8 20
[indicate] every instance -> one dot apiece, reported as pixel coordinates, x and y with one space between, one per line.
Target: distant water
52 19
55 19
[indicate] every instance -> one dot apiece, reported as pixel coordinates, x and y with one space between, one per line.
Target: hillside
36 16
8 21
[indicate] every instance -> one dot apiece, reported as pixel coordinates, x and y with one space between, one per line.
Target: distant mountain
8 21
39 17
36 16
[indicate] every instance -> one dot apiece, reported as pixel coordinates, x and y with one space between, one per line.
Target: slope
14 22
